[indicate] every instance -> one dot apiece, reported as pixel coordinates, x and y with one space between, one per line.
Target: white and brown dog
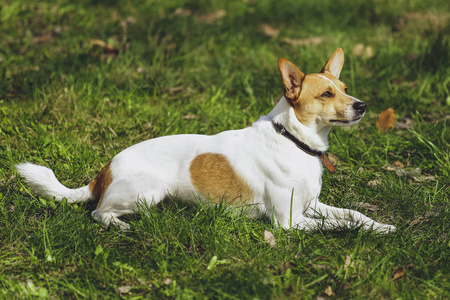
275 165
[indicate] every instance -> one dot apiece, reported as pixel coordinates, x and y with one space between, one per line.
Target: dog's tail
42 180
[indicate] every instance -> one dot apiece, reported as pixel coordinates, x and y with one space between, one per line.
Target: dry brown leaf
386 120
131 20
269 30
212 17
399 273
369 52
320 267
418 220
398 164
410 173
431 213
348 261
374 183
358 50
189 117
124 289
108 49
269 238
43 38
328 291
423 178
406 125
112 131
174 90
334 159
303 42
366 206
180 11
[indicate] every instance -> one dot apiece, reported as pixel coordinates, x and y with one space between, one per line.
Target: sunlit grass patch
79 82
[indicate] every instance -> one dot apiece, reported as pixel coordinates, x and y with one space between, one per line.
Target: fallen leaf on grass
180 11
189 117
167 281
320 267
425 218
269 238
386 120
369 52
107 48
418 220
348 261
124 289
360 50
328 291
398 164
410 173
405 125
401 272
212 17
366 206
432 213
334 159
112 131
174 90
269 30
303 42
43 38
374 183
423 178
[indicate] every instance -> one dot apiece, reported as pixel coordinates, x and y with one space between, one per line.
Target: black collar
279 128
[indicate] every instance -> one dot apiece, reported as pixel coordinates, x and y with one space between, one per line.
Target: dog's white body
255 165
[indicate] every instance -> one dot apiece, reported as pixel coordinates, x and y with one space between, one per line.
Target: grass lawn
82 80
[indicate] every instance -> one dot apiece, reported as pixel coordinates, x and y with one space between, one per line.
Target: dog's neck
314 136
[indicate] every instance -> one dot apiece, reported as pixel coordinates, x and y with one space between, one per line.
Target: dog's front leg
298 220
320 210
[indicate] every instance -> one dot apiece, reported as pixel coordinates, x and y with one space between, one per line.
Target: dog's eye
327 95
345 90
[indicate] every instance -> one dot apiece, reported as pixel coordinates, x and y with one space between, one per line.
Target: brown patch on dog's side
99 185
213 176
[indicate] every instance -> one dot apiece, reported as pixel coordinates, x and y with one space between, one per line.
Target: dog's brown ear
335 63
292 79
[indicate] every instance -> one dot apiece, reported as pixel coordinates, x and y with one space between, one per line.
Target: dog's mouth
346 121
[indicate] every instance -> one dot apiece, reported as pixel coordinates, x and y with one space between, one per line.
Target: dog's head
321 99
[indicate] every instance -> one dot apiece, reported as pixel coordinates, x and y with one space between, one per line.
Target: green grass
66 104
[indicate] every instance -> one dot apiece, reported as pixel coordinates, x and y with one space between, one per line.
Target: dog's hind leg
122 198
110 218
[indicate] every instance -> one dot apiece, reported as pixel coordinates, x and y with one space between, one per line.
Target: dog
273 166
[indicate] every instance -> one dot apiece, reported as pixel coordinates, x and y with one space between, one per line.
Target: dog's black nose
360 106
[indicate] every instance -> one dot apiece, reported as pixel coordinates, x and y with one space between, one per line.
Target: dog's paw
383 228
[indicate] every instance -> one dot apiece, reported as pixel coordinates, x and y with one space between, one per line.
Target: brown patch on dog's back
99 185
213 176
